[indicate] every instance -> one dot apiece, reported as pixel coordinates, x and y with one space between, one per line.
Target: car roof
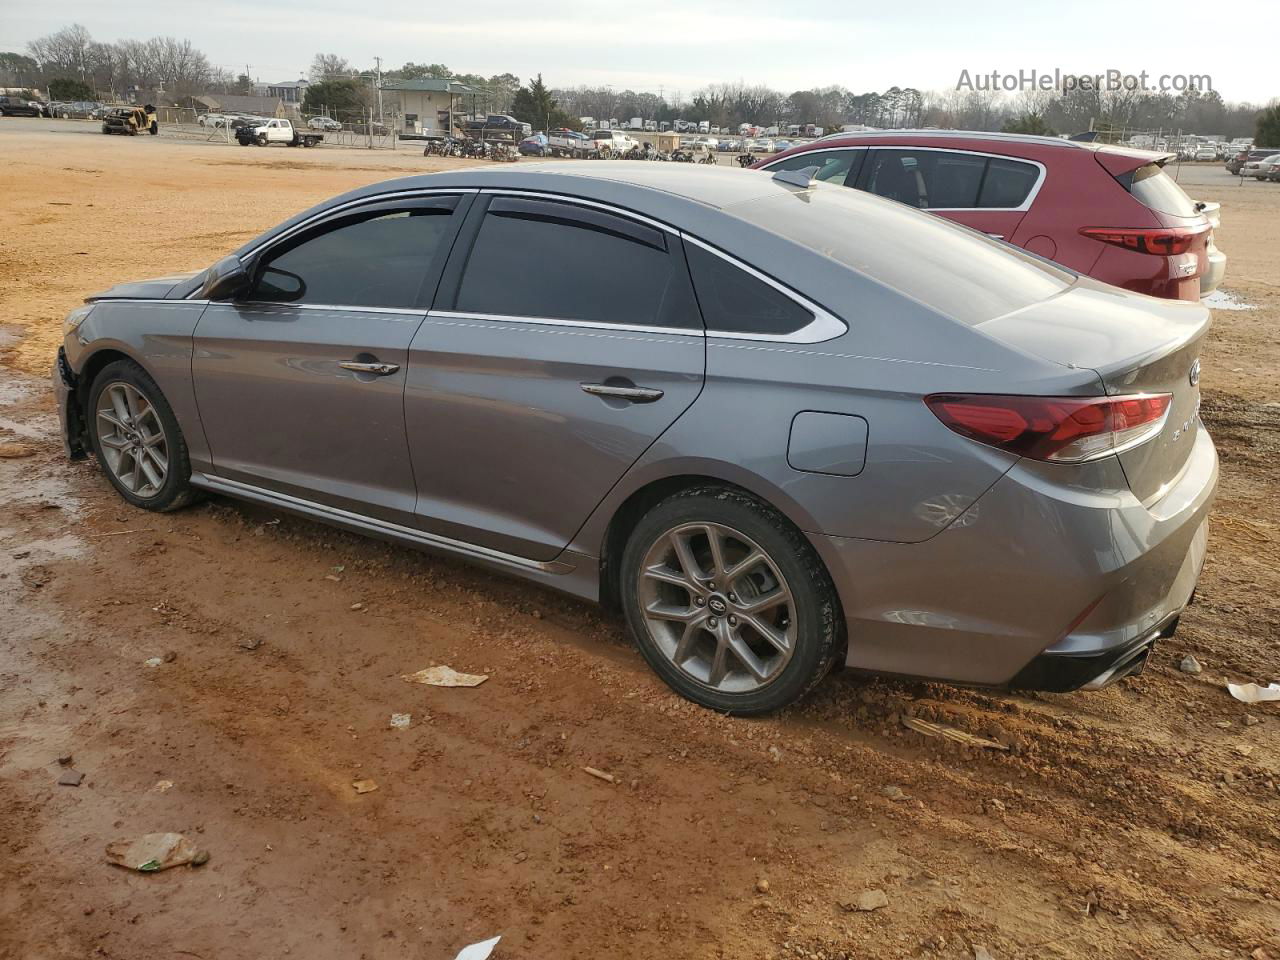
1012 144
618 180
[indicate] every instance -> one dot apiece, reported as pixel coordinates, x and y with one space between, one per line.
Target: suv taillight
1054 429
1160 241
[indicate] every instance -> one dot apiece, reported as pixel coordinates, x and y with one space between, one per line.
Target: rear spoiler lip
1119 161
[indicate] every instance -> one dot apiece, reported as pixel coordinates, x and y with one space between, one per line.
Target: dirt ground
1137 822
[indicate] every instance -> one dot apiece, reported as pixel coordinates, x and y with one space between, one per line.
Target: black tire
155 128
261 140
176 491
819 623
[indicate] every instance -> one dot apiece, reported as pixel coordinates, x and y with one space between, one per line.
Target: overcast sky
680 45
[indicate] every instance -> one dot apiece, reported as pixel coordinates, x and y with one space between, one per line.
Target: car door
300 381
564 340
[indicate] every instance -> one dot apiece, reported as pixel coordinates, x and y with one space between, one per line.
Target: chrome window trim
284 306
555 322
824 326
1021 208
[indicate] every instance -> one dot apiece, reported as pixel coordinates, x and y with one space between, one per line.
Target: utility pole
378 61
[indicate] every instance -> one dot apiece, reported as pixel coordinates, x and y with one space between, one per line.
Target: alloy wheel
718 607
132 439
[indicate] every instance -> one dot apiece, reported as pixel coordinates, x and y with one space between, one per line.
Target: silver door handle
634 394
381 369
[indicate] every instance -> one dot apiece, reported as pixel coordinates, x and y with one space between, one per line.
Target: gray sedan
784 426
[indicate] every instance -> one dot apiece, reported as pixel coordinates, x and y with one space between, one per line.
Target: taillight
1160 241
1056 429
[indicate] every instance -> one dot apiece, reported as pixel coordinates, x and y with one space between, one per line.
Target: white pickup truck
276 131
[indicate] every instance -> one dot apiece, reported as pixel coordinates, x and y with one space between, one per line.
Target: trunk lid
1135 344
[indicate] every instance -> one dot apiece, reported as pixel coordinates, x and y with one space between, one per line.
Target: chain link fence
353 132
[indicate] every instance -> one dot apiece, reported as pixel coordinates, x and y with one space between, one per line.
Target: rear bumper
1081 574
1215 269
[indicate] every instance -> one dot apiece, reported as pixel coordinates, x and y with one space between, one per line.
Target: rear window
1156 190
956 271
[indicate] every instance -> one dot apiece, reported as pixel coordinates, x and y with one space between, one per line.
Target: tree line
70 60
71 63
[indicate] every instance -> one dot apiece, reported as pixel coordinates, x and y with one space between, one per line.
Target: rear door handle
381 369
634 394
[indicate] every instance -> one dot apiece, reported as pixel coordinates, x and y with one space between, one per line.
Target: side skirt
571 573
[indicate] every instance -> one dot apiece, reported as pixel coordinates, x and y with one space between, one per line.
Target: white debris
1252 693
478 951
443 676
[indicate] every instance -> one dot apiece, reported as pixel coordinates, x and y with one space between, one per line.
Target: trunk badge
1194 375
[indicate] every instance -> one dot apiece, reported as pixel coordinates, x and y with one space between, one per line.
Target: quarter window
1008 183
539 258
378 260
734 301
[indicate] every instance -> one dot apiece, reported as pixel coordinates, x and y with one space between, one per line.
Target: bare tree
329 65
64 51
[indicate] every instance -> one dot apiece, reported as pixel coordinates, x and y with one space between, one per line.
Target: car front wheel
728 602
137 440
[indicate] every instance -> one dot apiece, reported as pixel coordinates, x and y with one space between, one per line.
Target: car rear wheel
728 602
137 440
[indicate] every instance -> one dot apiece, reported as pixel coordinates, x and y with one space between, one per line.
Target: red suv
1106 211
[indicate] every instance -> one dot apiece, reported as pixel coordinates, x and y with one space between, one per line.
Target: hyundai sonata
781 424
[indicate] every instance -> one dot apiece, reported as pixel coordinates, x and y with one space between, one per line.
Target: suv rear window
1156 190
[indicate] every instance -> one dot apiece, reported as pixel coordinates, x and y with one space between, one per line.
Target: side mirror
225 279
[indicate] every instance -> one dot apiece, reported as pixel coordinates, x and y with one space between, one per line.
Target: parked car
1206 154
1262 168
276 130
1237 162
211 120
496 126
1055 198
18 107
324 123
534 146
761 145
949 458
130 121
613 143
571 143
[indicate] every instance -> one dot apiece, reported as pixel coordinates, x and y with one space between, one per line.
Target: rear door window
545 259
949 180
928 179
735 301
